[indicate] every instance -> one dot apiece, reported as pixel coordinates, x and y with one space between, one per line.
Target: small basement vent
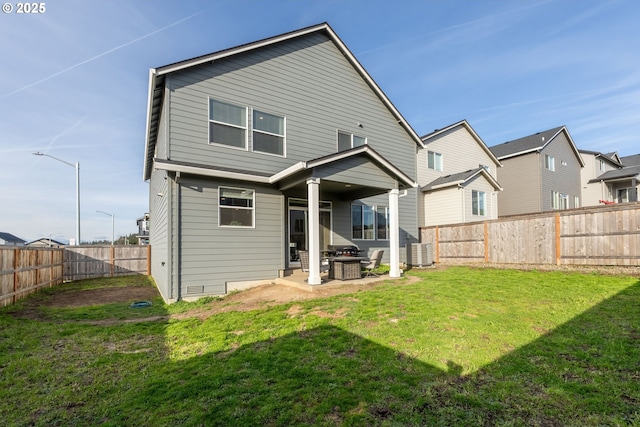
420 254
195 290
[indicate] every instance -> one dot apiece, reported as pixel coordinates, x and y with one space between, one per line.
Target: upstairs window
549 162
268 133
434 160
602 165
349 140
227 124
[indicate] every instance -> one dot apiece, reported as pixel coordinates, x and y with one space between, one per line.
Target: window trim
283 136
479 210
351 137
436 155
210 120
550 162
375 209
253 208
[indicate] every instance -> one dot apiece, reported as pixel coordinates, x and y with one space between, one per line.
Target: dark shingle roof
8 237
610 157
523 145
628 172
459 178
633 160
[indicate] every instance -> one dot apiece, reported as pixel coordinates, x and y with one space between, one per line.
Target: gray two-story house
541 172
257 152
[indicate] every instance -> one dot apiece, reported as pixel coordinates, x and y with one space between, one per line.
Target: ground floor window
559 200
369 222
236 207
478 203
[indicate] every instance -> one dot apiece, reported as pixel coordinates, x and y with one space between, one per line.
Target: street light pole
77 167
112 224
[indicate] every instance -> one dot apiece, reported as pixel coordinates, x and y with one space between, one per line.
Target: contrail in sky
100 55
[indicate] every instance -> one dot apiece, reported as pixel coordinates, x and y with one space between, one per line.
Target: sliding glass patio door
299 228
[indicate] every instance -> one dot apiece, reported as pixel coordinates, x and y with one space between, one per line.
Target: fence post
148 260
486 242
16 253
437 244
112 255
558 248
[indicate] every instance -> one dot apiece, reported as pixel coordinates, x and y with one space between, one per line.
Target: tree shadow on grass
584 372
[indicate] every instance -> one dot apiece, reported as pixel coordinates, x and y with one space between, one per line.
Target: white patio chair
373 263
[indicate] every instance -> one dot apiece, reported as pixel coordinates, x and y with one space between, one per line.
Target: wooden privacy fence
602 235
24 270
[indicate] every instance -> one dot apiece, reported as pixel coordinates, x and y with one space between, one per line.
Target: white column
313 195
394 234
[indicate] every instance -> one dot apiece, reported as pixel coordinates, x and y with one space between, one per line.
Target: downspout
464 208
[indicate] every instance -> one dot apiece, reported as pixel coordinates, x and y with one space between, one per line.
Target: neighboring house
597 189
46 242
259 151
458 177
143 229
8 239
541 172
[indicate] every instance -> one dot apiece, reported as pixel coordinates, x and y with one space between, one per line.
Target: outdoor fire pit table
345 267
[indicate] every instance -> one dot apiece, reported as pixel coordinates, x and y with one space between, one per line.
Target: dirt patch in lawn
99 296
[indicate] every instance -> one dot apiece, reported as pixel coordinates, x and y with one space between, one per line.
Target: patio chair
373 263
304 262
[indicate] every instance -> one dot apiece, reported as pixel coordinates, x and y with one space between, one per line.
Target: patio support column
313 195
394 234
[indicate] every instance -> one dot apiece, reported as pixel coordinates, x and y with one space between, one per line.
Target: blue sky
75 78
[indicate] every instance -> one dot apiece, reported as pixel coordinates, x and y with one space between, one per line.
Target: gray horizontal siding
308 81
358 171
211 255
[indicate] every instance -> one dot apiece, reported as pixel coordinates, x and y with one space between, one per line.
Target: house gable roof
460 179
425 138
157 77
610 157
8 237
532 143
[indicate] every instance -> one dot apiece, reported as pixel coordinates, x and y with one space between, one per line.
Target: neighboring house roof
8 237
619 174
536 142
156 83
465 124
45 241
460 178
633 160
363 150
610 157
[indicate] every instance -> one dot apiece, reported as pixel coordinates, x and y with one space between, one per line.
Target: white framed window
478 203
369 222
268 133
559 200
576 201
434 160
623 195
227 124
236 207
602 165
348 140
549 162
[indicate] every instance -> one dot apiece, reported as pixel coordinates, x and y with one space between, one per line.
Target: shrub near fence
24 270
602 235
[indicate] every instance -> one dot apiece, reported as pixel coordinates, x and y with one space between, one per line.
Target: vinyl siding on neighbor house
479 184
566 177
308 81
444 206
593 192
521 189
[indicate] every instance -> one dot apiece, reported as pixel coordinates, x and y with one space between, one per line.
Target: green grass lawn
460 347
